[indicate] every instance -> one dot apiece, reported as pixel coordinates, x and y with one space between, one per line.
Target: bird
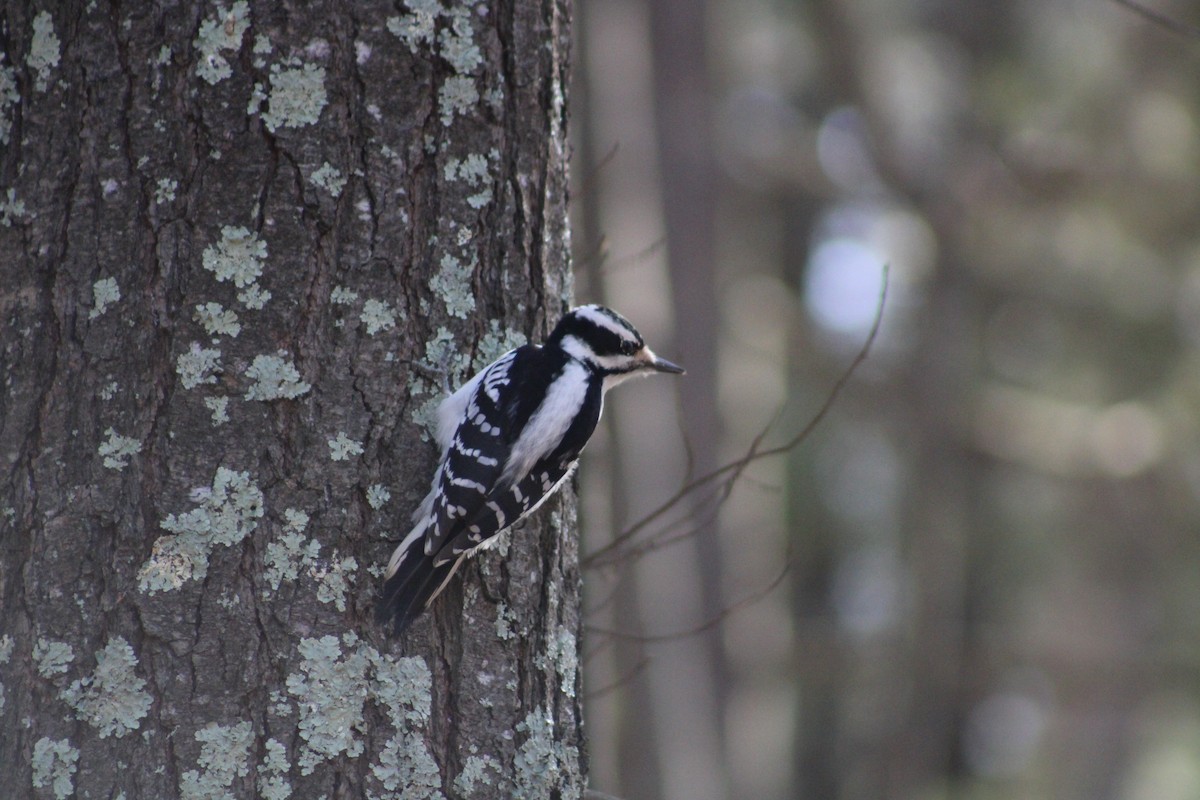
509 438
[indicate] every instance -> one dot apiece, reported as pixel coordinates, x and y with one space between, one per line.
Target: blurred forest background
988 548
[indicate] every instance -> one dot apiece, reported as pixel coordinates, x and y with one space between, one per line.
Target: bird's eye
628 348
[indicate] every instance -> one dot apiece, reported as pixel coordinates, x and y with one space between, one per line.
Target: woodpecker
509 438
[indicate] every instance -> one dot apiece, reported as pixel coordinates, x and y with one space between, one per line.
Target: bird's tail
414 579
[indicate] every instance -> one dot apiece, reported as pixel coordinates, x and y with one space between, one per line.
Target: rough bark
243 250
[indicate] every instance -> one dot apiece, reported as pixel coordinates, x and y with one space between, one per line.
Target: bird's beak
662 365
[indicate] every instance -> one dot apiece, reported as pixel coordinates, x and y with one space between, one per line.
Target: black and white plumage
509 438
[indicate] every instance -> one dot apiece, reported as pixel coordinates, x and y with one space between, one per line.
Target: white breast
549 423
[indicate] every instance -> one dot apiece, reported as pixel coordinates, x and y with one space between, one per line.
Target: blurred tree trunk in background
667 710
242 249
632 749
684 118
993 528
915 682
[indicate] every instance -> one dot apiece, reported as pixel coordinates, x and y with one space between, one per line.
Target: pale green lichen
254 296
258 96
272 775
275 378
417 26
198 366
504 620
220 409
227 513
342 296
378 316
297 97
173 561
406 765
330 690
8 98
562 653
495 343
109 390
117 450
330 179
441 357
457 95
217 320
472 170
474 774
334 579
343 447
224 756
6 648
425 415
467 169
223 33
280 705
238 257
295 519
11 209
285 557
404 686
544 766
164 190
113 699
51 657
456 46
377 495
452 283
43 50
105 292
54 764
480 199
456 42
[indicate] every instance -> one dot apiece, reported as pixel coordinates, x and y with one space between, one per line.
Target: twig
707 624
735 468
588 182
622 680
1161 19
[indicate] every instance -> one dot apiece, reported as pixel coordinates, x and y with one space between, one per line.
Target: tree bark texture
244 249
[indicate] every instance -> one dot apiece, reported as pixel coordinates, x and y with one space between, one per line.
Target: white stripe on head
577 349
603 318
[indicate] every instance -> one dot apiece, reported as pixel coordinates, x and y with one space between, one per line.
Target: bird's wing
489 411
507 507
541 459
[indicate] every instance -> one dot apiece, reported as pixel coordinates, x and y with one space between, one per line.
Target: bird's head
608 344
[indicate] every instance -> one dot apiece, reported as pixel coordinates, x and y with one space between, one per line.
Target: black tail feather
409 590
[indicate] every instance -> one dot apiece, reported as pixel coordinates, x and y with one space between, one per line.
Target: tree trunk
244 249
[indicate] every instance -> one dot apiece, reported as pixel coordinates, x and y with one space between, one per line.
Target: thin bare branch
707 624
636 670
733 469
588 182
1161 19
595 257
635 258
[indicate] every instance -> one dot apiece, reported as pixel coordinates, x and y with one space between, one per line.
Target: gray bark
243 250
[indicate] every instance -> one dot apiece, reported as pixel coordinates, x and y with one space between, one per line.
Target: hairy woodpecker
510 438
